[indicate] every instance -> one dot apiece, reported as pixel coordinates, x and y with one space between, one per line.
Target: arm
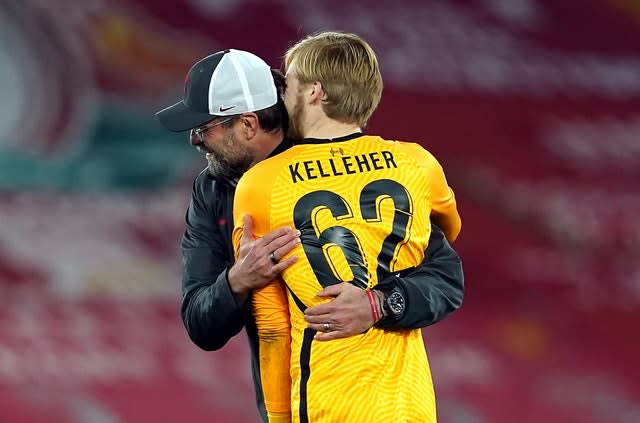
444 210
271 313
432 291
274 339
209 309
436 287
214 306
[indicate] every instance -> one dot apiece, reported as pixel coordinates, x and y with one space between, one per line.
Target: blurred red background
532 106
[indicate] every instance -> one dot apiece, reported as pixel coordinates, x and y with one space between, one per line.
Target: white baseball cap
226 83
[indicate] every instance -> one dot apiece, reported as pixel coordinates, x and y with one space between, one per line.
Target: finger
247 230
276 233
283 240
283 249
283 264
318 327
328 336
319 310
316 321
331 290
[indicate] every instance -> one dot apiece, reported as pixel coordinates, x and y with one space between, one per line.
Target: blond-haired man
364 207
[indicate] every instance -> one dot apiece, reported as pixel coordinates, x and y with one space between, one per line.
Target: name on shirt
338 166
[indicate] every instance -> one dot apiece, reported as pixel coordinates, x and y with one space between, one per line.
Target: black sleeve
209 310
432 291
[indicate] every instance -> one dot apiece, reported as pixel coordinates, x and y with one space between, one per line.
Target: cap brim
179 118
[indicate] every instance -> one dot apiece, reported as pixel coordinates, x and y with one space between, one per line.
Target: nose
194 139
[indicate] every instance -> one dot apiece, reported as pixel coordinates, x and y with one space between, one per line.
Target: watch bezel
395 303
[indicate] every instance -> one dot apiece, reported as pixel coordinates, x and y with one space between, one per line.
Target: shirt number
316 242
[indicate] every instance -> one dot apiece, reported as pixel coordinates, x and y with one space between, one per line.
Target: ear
250 124
317 93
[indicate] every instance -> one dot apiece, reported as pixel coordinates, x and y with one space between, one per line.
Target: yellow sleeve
444 211
271 312
274 338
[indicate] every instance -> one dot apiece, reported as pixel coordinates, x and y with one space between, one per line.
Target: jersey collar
328 140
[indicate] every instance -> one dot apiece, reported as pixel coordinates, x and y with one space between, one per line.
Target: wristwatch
394 304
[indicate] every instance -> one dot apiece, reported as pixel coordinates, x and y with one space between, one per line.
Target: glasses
202 130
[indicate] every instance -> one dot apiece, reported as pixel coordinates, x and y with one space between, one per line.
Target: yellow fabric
275 346
279 417
371 189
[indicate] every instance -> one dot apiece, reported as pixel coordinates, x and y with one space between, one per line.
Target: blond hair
347 68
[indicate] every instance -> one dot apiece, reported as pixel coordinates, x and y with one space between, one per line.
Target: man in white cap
233 108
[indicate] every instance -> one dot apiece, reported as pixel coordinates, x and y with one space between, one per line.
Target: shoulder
268 168
203 178
202 183
207 190
414 150
256 185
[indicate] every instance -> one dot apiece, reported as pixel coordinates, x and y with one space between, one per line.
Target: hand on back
259 260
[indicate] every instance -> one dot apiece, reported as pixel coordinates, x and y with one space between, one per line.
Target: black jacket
211 314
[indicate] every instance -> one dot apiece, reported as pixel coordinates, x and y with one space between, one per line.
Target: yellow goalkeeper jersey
364 206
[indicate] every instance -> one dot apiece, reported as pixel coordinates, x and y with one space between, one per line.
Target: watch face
396 303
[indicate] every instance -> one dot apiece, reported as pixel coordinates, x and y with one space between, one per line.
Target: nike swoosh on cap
224 109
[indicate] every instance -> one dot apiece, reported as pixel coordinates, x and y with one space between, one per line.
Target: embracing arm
435 288
215 291
210 312
432 291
